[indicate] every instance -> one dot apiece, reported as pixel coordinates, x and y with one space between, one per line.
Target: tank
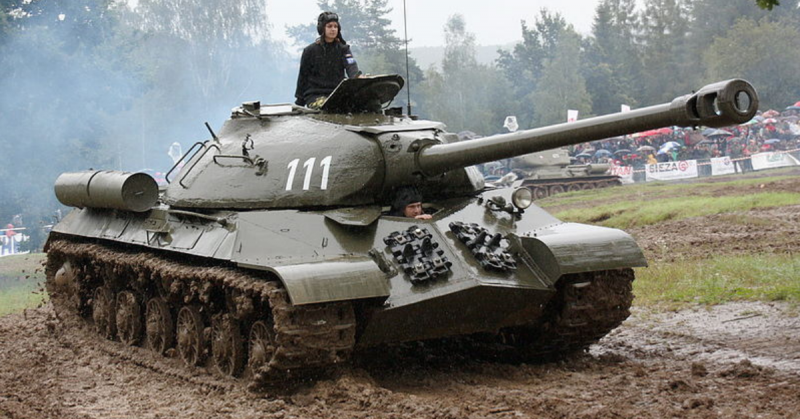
272 252
550 172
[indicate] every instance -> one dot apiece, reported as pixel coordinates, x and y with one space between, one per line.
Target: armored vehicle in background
550 172
272 251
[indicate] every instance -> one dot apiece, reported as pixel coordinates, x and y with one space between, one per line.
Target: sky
494 22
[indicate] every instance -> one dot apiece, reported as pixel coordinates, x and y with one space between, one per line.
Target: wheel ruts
227 348
129 318
104 312
262 345
191 344
160 329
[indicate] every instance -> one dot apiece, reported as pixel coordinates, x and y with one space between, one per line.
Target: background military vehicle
550 172
271 252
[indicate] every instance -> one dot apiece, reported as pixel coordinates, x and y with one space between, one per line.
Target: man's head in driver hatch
408 203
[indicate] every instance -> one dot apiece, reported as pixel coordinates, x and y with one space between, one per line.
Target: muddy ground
739 360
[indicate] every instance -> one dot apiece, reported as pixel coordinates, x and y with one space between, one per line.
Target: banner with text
773 160
722 166
625 173
684 169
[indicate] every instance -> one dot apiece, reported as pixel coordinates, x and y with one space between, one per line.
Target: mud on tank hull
274 294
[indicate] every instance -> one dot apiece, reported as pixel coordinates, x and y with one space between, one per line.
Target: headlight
522 198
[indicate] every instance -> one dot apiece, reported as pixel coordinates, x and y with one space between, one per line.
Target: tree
523 65
763 53
562 86
465 95
613 63
668 68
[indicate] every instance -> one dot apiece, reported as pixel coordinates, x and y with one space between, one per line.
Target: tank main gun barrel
716 105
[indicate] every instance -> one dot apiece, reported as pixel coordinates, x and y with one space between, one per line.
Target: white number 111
309 167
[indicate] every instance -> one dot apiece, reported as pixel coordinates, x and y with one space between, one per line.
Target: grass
20 281
627 214
719 280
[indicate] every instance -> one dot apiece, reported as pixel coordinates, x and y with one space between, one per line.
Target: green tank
551 172
272 253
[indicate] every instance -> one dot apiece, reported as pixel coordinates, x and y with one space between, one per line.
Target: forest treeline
96 84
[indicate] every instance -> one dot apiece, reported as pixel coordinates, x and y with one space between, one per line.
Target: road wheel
262 345
539 192
129 318
191 345
104 312
159 326
573 187
227 347
556 189
587 186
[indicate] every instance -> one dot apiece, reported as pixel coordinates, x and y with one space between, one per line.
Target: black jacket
322 68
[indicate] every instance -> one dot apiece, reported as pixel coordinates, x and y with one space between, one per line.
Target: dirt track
740 360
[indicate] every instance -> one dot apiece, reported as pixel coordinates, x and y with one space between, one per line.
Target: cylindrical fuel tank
136 192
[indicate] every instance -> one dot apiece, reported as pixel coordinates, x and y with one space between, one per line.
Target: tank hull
345 267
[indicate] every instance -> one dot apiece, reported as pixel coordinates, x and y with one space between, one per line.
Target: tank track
586 307
306 338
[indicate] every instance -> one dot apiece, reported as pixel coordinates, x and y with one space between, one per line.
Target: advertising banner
625 173
684 169
722 166
772 160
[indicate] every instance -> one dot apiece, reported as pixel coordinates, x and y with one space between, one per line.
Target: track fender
573 248
337 280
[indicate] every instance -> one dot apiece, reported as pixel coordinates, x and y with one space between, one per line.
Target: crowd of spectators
768 131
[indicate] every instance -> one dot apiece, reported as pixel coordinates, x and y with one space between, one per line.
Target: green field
21 281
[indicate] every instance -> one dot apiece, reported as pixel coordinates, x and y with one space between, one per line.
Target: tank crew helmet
325 18
403 197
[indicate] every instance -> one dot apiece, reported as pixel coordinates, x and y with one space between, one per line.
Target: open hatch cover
366 94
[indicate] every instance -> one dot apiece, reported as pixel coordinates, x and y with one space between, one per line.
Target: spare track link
312 336
586 307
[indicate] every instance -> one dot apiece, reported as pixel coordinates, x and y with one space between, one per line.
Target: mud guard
345 279
573 248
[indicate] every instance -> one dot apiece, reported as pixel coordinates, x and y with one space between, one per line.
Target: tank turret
272 253
288 157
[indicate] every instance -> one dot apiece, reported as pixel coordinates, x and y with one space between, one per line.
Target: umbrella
663 151
752 121
770 121
584 156
705 142
706 132
770 113
791 118
622 151
670 144
718 133
793 108
646 148
602 152
772 141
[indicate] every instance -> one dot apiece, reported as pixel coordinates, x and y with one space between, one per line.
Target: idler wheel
159 326
262 345
227 347
191 345
67 288
104 312
129 318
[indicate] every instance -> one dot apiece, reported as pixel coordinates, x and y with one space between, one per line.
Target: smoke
82 86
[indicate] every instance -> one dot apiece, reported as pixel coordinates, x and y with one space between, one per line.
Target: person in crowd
408 203
9 242
324 63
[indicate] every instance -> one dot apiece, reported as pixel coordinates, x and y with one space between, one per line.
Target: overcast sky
493 22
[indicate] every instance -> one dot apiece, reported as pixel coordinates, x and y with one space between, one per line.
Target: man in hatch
324 63
408 203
